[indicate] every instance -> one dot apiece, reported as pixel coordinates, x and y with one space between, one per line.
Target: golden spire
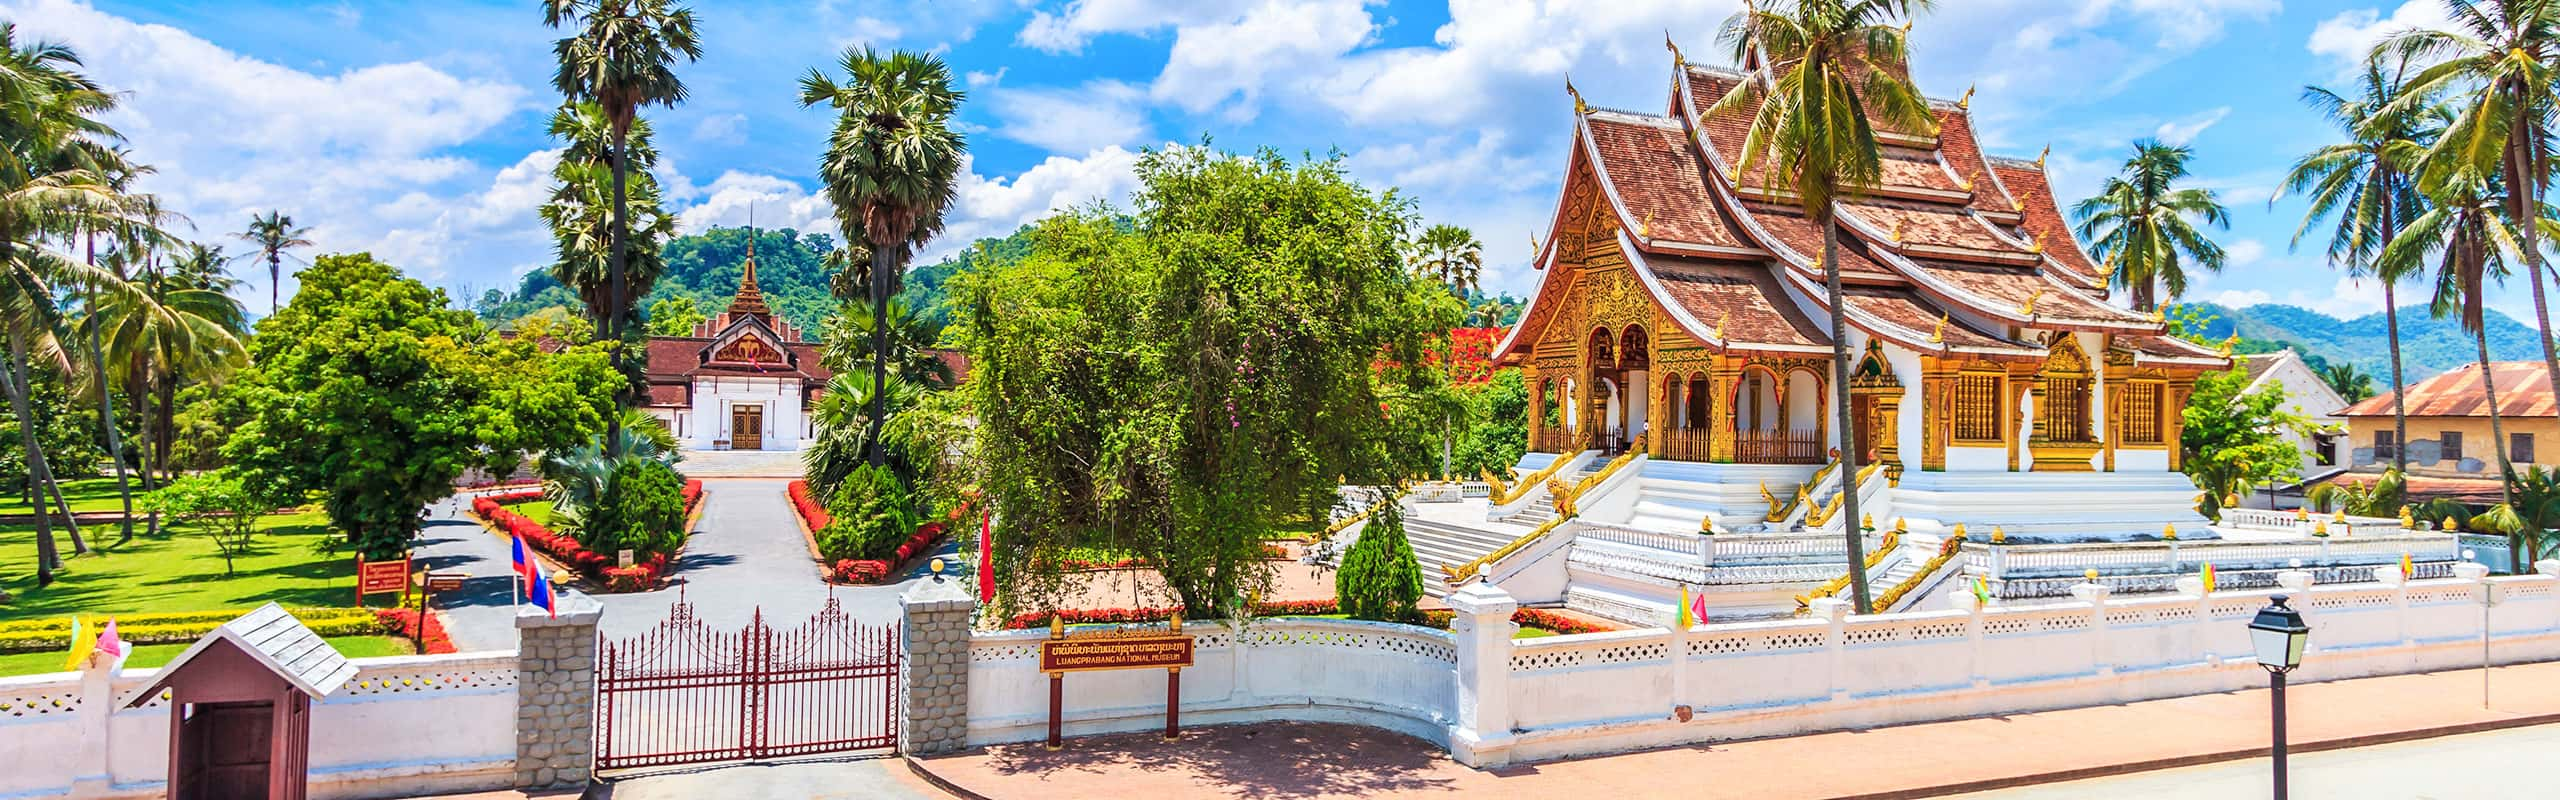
1579 107
1966 102
1676 59
1939 334
2028 309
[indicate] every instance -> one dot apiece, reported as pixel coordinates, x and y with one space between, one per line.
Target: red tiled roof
1744 300
2043 217
2524 390
1649 163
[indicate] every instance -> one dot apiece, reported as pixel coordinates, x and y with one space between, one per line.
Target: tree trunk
874 453
1842 420
48 556
612 323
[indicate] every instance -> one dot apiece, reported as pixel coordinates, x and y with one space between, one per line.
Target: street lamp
2279 636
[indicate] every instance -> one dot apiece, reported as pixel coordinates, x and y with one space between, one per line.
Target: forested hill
2428 346
790 268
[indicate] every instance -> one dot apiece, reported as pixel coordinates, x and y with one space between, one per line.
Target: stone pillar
935 671
556 692
1483 629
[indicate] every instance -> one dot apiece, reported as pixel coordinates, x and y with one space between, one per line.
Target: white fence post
1483 628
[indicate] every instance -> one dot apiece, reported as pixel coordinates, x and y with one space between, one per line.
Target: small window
2520 448
2452 444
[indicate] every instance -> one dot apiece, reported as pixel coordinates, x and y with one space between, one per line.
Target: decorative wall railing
1777 447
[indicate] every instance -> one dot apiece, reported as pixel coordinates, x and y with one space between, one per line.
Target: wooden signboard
382 577
1060 654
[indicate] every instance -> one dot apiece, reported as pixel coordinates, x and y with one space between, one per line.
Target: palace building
1681 305
744 380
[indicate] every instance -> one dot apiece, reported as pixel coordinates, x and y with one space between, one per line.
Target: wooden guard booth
240 707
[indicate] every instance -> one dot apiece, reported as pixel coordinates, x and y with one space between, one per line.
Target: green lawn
153 655
84 495
178 572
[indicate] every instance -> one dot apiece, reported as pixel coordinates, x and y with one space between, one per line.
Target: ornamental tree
1176 380
371 390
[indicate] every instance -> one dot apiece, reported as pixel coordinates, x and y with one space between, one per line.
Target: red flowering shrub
431 639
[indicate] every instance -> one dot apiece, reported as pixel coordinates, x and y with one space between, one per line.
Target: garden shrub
1379 579
871 515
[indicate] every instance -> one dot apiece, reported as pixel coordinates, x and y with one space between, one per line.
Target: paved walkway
746 554
1302 760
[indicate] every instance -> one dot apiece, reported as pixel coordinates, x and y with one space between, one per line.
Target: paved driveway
746 554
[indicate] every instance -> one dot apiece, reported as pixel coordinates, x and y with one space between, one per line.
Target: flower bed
1541 619
641 576
431 639
54 633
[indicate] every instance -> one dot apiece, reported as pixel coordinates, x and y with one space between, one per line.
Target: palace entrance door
746 427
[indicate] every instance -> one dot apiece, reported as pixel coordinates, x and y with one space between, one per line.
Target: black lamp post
2278 635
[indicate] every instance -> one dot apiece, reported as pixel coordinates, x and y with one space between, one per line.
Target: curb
2200 759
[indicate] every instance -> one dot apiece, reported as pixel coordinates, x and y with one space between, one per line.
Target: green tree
2233 440
274 233
1842 69
621 57
1451 255
1181 379
674 316
1380 579
2504 55
368 390
2143 225
217 504
2368 182
892 167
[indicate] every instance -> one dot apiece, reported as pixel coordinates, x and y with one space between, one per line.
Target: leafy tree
217 504
892 167
366 391
1178 380
1842 69
2233 440
2368 182
2144 226
675 316
274 233
1379 578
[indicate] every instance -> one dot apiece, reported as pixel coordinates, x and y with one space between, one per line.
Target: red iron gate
685 694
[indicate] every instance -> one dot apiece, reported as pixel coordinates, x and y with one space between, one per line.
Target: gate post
934 669
556 692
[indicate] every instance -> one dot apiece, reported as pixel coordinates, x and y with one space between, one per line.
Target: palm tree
621 58
2367 182
2143 225
274 234
583 218
891 169
1451 255
1835 69
2351 383
2503 54
2467 234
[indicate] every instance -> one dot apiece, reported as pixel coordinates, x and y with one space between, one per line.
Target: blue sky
414 130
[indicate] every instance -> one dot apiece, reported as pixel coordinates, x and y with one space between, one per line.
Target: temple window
1977 408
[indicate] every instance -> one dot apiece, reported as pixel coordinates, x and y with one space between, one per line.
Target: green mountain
2428 346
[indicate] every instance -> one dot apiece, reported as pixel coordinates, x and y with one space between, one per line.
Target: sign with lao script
1144 651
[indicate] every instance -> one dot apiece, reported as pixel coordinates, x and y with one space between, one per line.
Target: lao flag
524 561
540 588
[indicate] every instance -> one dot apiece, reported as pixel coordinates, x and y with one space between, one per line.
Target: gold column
1720 382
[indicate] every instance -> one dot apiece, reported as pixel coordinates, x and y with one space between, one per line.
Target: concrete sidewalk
1303 760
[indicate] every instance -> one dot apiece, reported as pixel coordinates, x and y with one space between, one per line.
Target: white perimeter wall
1398 677
403 726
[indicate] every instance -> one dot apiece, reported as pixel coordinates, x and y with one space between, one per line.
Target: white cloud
2349 36
2184 131
1078 120
721 129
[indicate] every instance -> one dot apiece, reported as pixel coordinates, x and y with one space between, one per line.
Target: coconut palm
273 234
2367 182
621 57
1451 255
891 168
2502 55
582 213
1835 70
2143 225
2467 235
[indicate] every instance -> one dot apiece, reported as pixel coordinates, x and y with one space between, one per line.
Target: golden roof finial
1676 59
2028 309
1579 107
1938 335
1966 102
2040 157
